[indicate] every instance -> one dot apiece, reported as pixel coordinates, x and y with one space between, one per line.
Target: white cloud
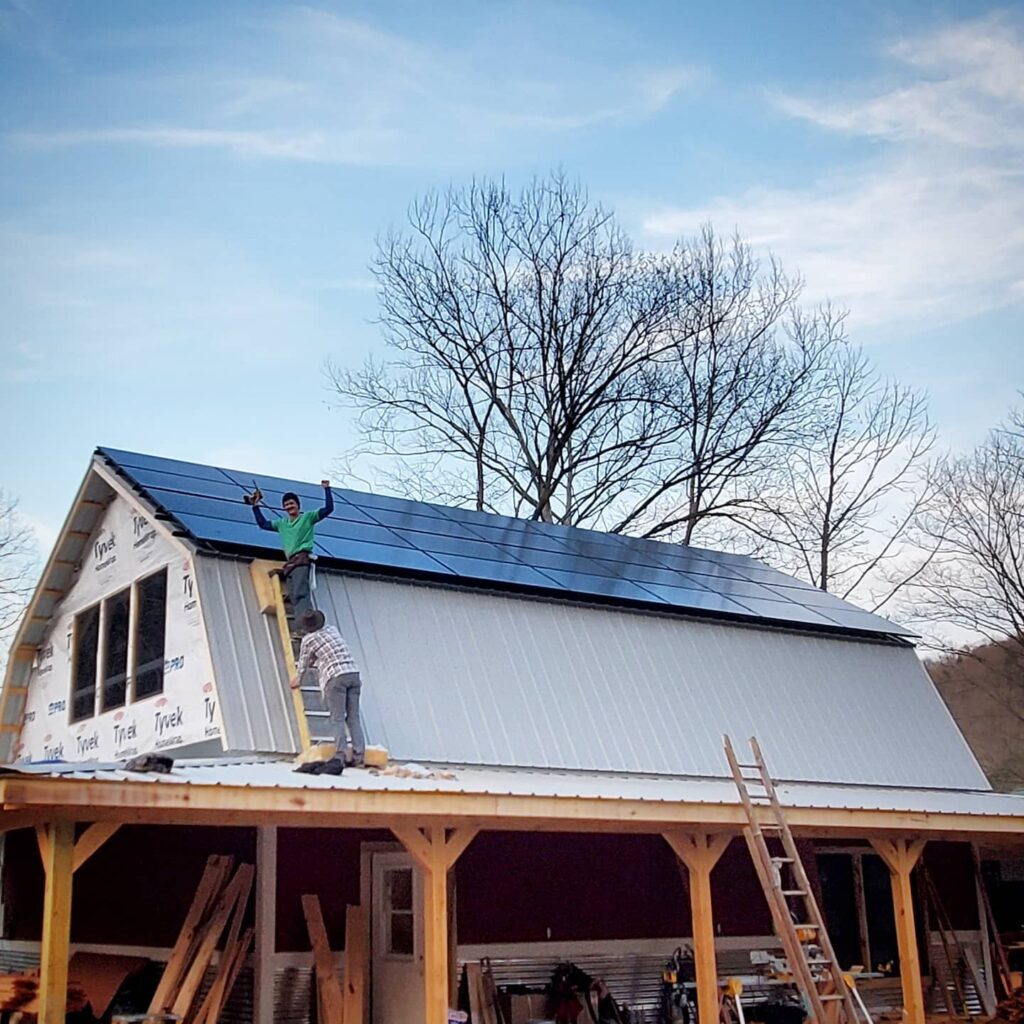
320 87
931 228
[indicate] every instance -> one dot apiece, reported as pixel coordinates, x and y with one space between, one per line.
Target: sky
190 193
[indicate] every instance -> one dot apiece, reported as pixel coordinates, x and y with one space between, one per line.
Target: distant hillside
984 690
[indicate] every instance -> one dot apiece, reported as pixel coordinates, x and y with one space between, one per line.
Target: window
150 631
401 940
115 649
86 648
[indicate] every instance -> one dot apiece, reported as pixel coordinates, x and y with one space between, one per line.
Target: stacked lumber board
217 913
20 993
336 1003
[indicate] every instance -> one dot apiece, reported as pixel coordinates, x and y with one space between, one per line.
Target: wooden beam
357 935
43 841
331 997
146 802
11 820
55 951
700 852
266 924
435 850
900 856
91 840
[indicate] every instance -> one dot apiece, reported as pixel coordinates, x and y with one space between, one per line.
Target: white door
397 940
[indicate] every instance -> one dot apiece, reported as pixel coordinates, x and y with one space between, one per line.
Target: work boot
332 767
312 768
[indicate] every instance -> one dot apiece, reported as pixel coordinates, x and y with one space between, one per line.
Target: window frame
101 609
153 662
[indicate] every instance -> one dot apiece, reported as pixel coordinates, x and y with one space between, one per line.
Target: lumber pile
20 993
336 1004
217 911
1012 1008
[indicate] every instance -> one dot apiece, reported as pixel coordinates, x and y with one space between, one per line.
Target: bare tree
976 586
855 487
17 568
545 368
739 381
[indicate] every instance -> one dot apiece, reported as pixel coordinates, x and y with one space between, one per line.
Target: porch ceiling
264 791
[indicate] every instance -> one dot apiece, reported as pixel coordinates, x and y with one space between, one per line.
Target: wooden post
55 953
900 856
435 850
266 924
700 852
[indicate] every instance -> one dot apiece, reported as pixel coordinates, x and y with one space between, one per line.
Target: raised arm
328 501
261 520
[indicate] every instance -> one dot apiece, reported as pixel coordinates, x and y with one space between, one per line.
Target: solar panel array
379 532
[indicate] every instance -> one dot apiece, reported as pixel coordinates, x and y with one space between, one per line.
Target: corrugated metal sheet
277 774
477 678
252 684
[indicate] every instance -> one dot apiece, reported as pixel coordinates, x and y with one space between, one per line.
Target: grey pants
299 592
342 696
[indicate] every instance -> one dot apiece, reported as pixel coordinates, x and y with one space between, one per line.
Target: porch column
700 852
57 846
435 850
900 856
266 923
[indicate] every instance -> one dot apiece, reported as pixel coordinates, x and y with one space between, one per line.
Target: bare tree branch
18 568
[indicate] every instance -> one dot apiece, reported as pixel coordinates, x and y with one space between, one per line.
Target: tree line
541 365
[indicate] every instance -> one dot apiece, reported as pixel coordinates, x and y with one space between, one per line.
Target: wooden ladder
797 919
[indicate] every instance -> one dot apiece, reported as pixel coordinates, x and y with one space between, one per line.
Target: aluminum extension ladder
795 913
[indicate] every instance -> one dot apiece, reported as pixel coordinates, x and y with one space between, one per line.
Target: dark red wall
135 890
324 862
952 870
515 886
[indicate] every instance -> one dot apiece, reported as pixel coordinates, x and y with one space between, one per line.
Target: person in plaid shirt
324 649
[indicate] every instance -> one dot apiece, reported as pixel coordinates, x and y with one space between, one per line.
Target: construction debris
411 771
1012 1008
20 993
219 904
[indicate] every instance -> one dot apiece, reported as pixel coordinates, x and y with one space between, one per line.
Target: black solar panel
386 534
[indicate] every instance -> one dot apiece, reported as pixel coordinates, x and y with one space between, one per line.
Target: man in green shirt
296 530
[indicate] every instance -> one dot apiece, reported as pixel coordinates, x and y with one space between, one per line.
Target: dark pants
299 592
342 696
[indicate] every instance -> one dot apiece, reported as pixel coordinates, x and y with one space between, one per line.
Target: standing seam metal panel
252 687
469 677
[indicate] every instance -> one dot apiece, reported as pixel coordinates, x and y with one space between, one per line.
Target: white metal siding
476 678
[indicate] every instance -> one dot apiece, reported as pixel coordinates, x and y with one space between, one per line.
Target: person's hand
294 682
325 483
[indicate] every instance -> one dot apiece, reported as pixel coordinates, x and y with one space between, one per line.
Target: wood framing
435 850
700 852
55 950
266 924
146 802
900 856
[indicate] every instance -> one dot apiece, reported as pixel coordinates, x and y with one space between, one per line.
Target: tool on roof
255 497
797 919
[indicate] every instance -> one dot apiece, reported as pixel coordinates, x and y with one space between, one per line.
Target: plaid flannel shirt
326 651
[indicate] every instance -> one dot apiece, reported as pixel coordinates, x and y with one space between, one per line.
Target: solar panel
382 533
380 556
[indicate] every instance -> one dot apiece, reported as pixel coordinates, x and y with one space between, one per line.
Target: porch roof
260 791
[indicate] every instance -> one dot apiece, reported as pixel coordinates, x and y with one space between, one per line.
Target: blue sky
189 192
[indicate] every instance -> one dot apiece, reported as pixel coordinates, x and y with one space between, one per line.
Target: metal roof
278 774
481 678
382 533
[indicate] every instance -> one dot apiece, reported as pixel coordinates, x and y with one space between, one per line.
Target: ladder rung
831 997
809 927
748 767
794 892
774 826
782 860
817 962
